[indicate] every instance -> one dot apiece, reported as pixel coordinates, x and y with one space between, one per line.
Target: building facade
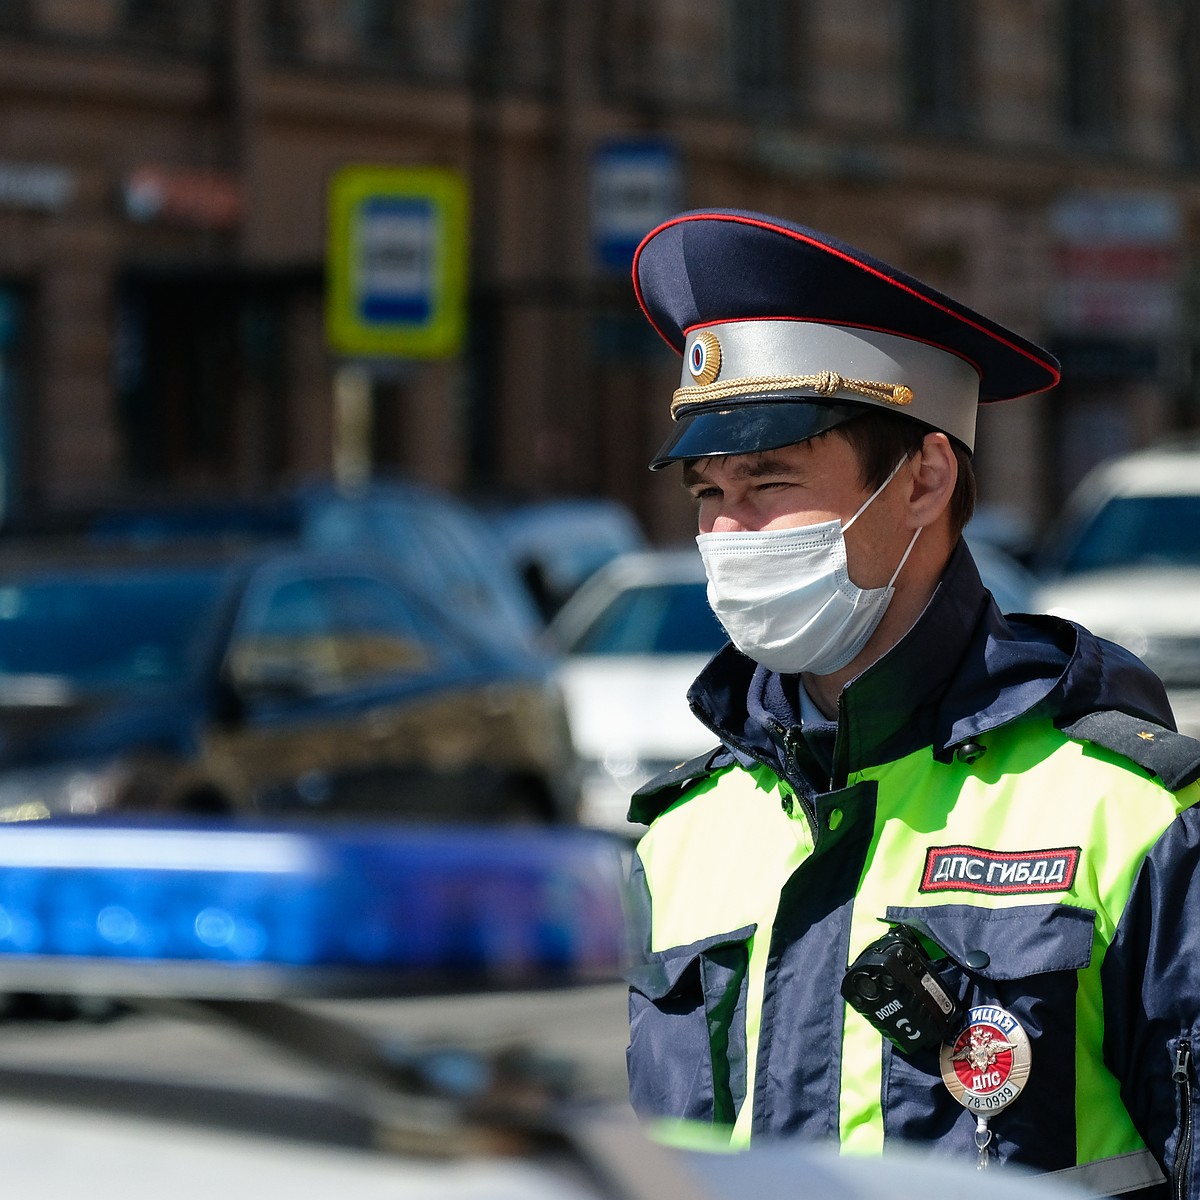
165 165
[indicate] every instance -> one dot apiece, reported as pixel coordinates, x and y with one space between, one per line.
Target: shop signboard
1117 256
38 187
199 197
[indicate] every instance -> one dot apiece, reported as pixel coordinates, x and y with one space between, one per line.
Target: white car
1125 563
633 639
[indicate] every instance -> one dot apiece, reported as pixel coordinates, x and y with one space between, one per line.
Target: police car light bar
158 908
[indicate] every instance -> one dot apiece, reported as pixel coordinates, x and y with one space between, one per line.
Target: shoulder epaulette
659 793
1173 757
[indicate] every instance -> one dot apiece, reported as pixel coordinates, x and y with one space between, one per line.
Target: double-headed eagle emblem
982 1048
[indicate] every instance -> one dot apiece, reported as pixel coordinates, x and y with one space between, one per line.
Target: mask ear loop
904 557
875 494
868 502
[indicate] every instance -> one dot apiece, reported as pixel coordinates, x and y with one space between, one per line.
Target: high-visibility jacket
1012 790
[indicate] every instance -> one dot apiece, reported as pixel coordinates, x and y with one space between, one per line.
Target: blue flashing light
503 905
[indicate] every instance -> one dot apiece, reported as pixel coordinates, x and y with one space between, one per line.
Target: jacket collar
961 670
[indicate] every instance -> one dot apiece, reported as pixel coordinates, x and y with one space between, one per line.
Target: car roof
278 514
646 568
235 562
678 564
1171 469
84 556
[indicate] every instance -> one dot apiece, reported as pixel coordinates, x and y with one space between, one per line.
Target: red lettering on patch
999 872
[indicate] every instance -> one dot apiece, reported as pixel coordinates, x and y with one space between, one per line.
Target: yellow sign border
440 336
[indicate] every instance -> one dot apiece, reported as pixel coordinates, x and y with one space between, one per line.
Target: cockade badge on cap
704 358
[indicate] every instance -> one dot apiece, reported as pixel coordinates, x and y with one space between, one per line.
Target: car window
664 618
331 631
1131 531
380 632
473 574
436 552
153 626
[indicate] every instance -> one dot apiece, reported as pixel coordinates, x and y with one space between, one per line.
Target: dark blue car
264 680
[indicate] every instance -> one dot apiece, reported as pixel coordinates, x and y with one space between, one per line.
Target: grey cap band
834 364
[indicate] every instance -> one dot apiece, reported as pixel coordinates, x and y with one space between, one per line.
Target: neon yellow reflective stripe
737 847
681 1134
1033 788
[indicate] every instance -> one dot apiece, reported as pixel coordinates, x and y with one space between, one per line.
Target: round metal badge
704 358
987 1066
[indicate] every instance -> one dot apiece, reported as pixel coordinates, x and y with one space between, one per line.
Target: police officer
1003 798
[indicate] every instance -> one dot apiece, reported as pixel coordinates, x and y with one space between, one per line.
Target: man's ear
934 472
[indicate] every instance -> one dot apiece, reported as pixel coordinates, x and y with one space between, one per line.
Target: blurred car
1124 561
1003 526
208 679
633 639
559 543
437 544
238 928
1013 586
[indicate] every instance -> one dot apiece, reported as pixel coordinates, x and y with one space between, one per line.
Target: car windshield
660 618
1138 531
105 630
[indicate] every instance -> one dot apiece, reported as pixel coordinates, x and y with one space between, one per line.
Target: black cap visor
718 429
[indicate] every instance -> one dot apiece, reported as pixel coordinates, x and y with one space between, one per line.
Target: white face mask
785 596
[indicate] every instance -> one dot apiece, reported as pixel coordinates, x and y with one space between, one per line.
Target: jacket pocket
687 1029
1025 959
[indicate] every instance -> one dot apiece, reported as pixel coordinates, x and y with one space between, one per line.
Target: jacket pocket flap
661 970
1006 943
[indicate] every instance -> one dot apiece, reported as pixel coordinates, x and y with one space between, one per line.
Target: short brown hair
881 439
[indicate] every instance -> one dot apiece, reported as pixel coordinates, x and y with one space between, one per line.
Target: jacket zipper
1182 1075
789 750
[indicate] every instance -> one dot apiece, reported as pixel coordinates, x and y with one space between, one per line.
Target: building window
765 52
381 27
1092 75
624 37
16 16
427 39
152 20
940 63
15 357
1188 48
283 29
193 28
531 43
202 371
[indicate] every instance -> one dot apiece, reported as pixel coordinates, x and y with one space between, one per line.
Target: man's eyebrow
752 467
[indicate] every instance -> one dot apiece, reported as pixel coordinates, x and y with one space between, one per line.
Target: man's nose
729 521
728 525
